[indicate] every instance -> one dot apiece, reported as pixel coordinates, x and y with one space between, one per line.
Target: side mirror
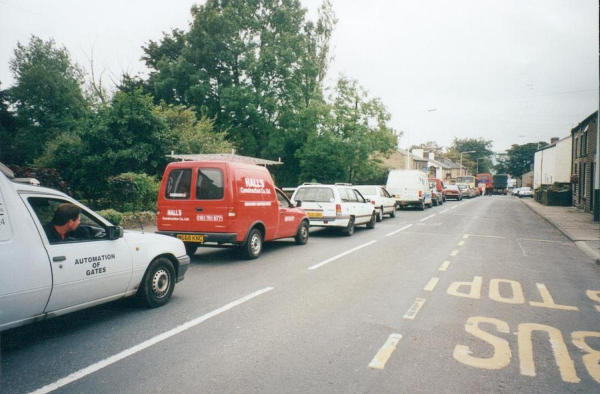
298 204
114 232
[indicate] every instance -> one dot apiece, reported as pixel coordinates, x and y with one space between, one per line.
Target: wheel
435 202
422 206
393 214
190 249
158 283
349 230
371 223
380 214
253 246
442 202
460 198
302 234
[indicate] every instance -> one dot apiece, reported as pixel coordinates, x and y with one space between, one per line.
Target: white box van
409 188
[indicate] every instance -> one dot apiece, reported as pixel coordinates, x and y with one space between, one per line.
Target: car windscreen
316 194
366 190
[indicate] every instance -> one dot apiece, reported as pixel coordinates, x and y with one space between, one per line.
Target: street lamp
461 153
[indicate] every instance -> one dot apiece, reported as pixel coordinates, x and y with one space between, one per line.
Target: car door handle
199 209
57 259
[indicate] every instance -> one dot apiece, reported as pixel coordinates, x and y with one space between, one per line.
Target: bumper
220 238
405 203
329 222
452 196
184 263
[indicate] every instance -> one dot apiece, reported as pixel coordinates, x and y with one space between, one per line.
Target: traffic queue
72 258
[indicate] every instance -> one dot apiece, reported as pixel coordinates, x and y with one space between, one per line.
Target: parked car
439 186
222 203
515 191
58 256
525 192
465 190
453 193
409 188
437 198
380 198
336 206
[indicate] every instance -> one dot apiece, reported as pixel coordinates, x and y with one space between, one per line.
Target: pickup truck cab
43 277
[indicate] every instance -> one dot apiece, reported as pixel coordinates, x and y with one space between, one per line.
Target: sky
510 71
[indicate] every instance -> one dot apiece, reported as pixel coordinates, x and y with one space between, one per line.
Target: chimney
554 140
431 156
417 152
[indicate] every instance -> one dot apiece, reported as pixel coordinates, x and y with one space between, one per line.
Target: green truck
500 182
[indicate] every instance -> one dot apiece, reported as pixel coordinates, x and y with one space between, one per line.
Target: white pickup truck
41 278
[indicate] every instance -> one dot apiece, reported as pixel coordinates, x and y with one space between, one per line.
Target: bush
132 220
115 217
132 192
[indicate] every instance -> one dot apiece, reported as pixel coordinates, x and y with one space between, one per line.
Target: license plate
314 214
191 237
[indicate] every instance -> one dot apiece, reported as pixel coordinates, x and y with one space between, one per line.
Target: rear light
338 210
420 193
372 202
231 213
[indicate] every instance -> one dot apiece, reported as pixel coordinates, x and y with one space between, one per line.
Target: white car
47 274
335 206
525 192
515 191
380 198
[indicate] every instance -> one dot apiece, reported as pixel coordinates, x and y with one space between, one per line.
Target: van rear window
178 184
316 194
209 185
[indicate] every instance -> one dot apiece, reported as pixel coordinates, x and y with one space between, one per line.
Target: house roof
225 157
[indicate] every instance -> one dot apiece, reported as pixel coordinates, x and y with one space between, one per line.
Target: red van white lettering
209 218
257 204
174 212
254 182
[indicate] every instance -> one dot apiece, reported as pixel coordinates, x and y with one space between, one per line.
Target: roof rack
225 157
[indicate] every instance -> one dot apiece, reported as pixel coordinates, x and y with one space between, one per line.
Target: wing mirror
298 204
114 232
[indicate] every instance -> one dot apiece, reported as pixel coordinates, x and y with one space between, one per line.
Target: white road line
444 266
445 211
483 236
314 267
384 354
431 285
414 309
428 217
146 344
454 252
397 231
456 206
544 240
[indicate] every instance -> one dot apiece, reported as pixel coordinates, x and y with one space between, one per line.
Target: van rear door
211 202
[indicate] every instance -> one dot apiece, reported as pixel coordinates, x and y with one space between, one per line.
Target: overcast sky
511 71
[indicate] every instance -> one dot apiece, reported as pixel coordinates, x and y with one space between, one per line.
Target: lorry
500 182
45 276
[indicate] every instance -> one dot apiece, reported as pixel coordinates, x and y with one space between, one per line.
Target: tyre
435 202
460 198
380 214
190 249
158 283
422 206
302 234
349 230
393 214
371 223
253 246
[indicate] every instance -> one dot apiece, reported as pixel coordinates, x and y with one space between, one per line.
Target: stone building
584 154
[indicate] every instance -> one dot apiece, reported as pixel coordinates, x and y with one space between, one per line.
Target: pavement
577 225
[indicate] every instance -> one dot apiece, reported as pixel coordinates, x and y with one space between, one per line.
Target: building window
584 179
575 145
584 142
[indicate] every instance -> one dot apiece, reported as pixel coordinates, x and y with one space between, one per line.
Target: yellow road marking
461 243
444 266
454 252
431 285
384 354
466 236
548 301
414 309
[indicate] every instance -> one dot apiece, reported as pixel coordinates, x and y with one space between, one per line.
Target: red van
221 203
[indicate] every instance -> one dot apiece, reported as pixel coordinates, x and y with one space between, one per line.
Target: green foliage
47 96
430 146
132 192
521 157
191 135
482 150
48 177
113 216
135 219
350 137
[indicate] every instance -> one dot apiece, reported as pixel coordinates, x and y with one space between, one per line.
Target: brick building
584 152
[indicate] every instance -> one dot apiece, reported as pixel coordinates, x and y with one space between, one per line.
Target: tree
430 146
350 136
481 149
254 67
47 95
8 132
521 157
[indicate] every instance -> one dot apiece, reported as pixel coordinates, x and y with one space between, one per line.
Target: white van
409 188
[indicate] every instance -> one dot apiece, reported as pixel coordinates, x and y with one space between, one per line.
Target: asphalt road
475 296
